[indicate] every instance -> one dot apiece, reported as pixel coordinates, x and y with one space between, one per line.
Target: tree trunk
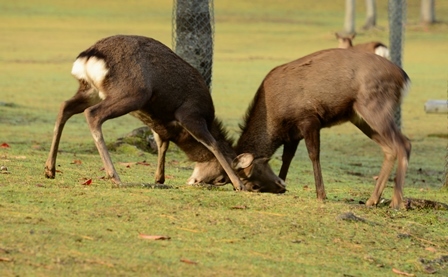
428 12
370 15
349 22
194 40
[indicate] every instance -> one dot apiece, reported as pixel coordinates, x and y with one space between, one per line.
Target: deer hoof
50 174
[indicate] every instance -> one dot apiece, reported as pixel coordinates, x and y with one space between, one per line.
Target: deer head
257 175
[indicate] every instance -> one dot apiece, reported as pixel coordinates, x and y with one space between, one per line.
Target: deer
327 88
376 47
140 76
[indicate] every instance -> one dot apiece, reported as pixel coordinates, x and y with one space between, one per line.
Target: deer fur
141 76
375 47
323 89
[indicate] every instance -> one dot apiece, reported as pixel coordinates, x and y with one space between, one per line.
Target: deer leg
197 127
390 146
312 142
403 146
96 115
289 149
75 105
162 147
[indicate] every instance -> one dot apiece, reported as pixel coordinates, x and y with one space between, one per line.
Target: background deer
372 47
326 88
143 77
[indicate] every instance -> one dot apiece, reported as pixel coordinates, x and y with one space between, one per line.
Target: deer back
323 86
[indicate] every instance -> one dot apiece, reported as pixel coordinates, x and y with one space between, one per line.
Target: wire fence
193 34
397 20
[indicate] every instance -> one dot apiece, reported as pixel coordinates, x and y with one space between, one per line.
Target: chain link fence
397 21
193 33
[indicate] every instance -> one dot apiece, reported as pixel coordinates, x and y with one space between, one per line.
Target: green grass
61 227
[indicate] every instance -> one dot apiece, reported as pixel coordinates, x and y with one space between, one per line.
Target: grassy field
61 227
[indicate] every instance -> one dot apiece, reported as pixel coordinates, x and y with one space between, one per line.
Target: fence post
397 19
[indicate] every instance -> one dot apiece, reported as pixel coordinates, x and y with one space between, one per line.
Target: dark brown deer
141 76
320 90
375 47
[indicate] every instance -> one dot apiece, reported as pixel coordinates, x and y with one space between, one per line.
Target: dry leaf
396 271
143 163
242 207
87 183
76 162
4 145
59 171
3 259
431 249
128 165
152 237
187 261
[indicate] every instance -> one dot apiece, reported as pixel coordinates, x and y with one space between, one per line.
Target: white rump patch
382 51
93 70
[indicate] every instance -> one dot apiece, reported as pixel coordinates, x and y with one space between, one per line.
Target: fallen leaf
187 261
190 230
87 183
143 163
2 259
430 270
268 213
128 165
396 271
40 185
4 145
242 207
20 157
59 171
152 237
76 162
431 249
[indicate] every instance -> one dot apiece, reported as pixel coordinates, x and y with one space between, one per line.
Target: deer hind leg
162 147
96 115
395 146
75 105
197 127
289 149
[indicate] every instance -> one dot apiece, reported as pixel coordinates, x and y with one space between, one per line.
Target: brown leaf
242 207
59 171
152 237
3 259
87 183
76 162
187 261
396 271
431 249
143 163
128 165
4 145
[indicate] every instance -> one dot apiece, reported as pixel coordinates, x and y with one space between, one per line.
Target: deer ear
243 161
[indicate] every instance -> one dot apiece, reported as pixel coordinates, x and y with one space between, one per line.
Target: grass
61 227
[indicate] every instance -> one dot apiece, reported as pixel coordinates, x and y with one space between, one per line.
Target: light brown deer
376 47
141 76
296 100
